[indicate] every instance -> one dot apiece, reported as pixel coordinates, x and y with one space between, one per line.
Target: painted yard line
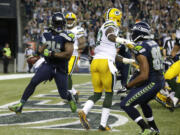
15 76
19 76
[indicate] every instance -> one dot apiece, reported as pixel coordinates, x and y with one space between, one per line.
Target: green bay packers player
103 69
172 75
79 45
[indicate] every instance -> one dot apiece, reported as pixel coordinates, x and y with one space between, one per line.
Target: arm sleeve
80 33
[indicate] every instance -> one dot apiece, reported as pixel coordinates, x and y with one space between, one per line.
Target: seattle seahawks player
57 48
79 45
103 70
145 84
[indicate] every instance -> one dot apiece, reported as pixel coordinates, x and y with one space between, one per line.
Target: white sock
71 91
104 116
87 107
138 119
150 119
74 91
175 101
171 95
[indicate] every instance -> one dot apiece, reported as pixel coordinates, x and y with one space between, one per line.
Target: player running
79 45
103 70
57 49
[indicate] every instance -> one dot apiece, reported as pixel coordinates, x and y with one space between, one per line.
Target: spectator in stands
159 13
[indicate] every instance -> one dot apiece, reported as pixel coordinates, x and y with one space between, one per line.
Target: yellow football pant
72 63
102 78
173 71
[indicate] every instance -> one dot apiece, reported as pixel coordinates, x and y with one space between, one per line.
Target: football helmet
141 30
71 19
58 21
113 14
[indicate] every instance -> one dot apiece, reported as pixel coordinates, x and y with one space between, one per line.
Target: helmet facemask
71 20
58 22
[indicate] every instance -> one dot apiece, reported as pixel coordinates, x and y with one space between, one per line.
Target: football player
144 84
103 69
176 48
57 48
174 70
79 45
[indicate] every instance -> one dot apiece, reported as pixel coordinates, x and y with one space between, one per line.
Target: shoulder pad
78 27
138 47
68 36
109 24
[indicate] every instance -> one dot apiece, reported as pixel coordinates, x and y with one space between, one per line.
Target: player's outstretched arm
112 37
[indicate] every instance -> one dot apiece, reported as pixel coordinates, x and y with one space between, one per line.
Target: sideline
25 75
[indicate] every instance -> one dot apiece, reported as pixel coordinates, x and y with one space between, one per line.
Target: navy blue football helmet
140 31
58 21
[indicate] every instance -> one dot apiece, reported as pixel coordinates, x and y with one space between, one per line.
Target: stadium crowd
161 14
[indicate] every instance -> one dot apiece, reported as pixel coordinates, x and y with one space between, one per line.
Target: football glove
46 52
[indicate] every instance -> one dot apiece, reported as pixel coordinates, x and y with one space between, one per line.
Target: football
33 59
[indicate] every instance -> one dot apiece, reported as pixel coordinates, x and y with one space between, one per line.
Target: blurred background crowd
162 15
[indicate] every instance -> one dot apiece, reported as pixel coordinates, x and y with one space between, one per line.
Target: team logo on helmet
113 14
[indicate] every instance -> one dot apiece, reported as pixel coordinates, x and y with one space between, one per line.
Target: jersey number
52 45
157 59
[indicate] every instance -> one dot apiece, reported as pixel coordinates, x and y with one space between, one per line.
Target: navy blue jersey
56 42
151 50
124 51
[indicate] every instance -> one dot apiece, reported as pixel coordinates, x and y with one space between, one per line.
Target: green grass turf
11 90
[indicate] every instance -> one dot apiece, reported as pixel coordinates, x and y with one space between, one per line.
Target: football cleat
147 132
156 132
76 96
122 90
17 108
101 128
83 120
73 106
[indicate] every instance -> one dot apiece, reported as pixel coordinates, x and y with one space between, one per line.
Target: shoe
73 106
122 90
156 132
83 119
147 132
101 128
76 96
17 108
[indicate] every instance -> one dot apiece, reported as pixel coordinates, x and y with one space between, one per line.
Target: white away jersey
78 32
105 49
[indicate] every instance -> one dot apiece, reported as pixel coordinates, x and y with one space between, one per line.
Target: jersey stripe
66 36
107 15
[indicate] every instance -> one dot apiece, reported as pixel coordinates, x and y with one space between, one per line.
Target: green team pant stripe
113 82
140 93
74 64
